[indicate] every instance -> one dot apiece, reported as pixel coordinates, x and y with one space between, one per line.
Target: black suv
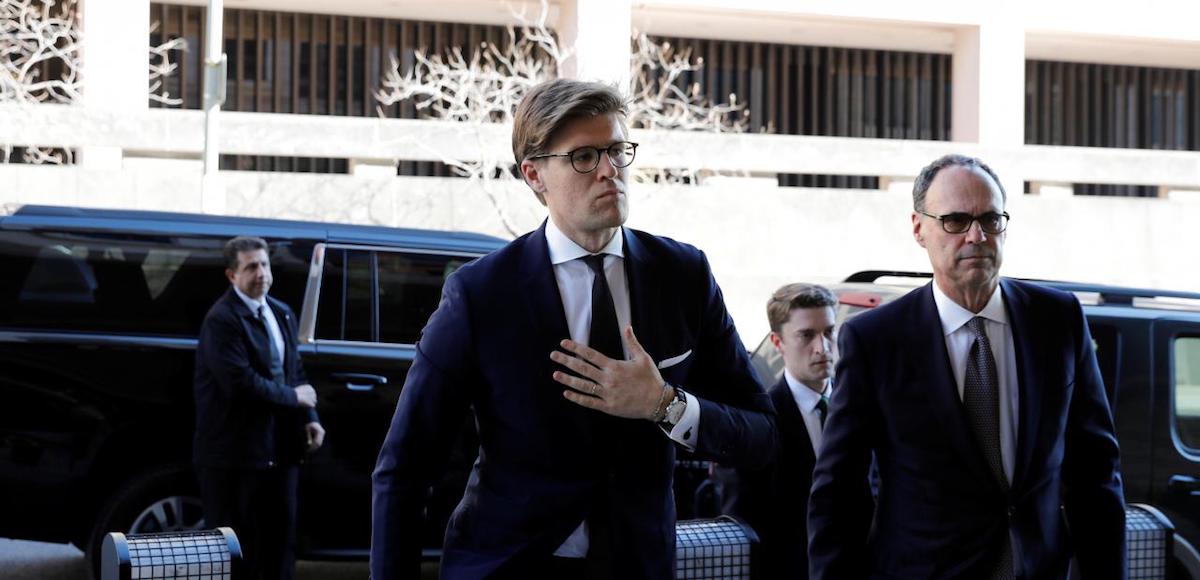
1148 346
99 313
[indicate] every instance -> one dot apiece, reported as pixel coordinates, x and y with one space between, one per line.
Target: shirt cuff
686 432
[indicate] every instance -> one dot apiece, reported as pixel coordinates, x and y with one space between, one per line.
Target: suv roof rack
1089 293
870 276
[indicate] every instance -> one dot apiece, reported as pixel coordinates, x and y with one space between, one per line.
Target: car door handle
359 382
1184 484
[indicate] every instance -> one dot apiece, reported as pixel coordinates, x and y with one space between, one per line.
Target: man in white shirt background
774 500
255 414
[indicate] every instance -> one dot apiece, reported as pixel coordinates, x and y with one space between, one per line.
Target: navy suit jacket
244 419
940 513
774 500
545 463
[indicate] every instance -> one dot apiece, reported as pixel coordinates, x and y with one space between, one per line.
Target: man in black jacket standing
255 414
774 499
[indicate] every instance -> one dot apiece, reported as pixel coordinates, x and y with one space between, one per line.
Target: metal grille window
842 92
283 62
1097 105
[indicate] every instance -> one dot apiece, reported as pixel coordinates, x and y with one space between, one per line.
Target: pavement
22 560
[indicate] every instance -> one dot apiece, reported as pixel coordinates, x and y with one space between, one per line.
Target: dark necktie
605 335
981 397
822 409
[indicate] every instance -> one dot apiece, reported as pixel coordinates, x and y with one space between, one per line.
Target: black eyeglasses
959 222
586 159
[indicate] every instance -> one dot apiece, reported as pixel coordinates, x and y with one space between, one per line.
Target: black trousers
260 506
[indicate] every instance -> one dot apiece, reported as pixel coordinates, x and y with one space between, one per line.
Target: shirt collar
563 249
954 316
805 397
251 303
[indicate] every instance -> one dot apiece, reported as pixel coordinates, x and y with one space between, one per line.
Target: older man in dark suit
579 419
983 403
255 414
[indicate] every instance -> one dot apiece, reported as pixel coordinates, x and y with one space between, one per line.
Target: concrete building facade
759 231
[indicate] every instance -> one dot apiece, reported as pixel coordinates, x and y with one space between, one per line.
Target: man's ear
230 274
916 220
776 341
533 178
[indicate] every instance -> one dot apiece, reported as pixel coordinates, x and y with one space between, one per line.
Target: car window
134 284
109 283
1185 374
409 288
345 309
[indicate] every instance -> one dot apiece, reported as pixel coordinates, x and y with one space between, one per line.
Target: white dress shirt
958 345
272 324
807 399
574 279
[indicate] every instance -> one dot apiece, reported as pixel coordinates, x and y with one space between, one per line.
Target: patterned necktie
981 397
605 335
275 354
277 372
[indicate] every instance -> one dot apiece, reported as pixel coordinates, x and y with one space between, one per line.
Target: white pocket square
670 362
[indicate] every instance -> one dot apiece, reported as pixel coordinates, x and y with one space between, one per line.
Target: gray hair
925 179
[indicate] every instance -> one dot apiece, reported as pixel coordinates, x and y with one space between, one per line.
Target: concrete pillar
989 89
600 32
115 72
989 84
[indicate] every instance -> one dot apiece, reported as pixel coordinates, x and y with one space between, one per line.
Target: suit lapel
257 328
944 400
790 422
540 290
1029 403
644 288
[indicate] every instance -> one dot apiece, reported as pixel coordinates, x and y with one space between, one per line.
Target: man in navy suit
774 500
255 414
578 417
983 403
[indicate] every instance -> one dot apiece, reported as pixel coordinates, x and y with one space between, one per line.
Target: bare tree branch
39 62
161 68
483 89
487 86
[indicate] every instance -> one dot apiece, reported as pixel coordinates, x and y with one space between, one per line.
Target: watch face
675 410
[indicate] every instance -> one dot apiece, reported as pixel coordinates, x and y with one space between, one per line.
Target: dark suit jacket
244 419
774 500
940 513
545 463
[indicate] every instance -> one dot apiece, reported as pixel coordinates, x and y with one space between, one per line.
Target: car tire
163 499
